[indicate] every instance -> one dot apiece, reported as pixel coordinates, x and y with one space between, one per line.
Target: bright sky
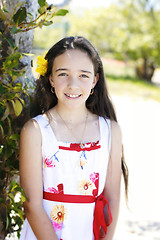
85 3
94 3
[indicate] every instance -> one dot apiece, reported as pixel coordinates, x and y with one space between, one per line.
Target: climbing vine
12 103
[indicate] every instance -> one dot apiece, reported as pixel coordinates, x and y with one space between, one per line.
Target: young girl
71 152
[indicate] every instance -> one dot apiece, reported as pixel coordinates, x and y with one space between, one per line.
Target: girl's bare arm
31 181
113 179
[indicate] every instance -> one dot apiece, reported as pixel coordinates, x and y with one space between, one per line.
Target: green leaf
14 137
8 222
20 15
9 125
13 183
10 42
39 10
30 14
47 23
12 61
1 150
2 15
5 10
18 107
23 198
61 12
2 89
6 113
41 3
15 30
22 101
28 54
2 134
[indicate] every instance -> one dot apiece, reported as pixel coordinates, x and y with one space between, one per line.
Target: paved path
140 124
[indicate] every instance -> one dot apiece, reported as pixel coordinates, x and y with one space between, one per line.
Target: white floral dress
71 170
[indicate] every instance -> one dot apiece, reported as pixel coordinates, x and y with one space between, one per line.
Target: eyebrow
85 71
65 69
61 69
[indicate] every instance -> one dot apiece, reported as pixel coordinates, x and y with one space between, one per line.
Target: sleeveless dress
69 169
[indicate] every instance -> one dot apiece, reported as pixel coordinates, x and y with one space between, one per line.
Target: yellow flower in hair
42 65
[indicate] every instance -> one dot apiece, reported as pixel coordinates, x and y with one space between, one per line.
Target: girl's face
73 78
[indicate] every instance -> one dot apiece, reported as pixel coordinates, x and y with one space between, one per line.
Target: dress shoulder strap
48 137
105 132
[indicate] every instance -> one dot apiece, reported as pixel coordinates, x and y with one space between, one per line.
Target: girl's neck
72 115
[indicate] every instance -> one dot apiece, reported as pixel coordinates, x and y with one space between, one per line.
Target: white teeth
72 95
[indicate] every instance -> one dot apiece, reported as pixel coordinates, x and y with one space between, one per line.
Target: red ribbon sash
100 202
99 220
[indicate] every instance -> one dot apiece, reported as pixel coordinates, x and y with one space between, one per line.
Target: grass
132 87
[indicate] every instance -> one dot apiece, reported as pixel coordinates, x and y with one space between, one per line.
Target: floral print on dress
54 190
86 187
58 214
50 162
94 177
89 186
83 159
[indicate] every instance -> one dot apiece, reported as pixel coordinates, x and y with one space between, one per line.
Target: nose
73 82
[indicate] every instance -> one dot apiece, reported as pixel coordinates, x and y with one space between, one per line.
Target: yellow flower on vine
42 65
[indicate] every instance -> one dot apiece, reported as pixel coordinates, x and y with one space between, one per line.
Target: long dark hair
98 103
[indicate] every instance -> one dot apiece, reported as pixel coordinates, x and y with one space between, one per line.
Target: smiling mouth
72 95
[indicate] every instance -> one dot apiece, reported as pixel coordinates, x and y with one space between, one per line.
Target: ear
96 78
51 80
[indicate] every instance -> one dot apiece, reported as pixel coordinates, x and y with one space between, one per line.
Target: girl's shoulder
116 133
115 125
31 127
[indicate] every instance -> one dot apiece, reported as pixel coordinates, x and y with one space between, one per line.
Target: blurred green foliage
127 31
133 88
46 37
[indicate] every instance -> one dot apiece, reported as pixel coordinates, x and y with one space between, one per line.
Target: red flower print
51 161
48 162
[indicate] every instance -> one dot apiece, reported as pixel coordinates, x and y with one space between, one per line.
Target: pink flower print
94 176
57 226
52 190
51 161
